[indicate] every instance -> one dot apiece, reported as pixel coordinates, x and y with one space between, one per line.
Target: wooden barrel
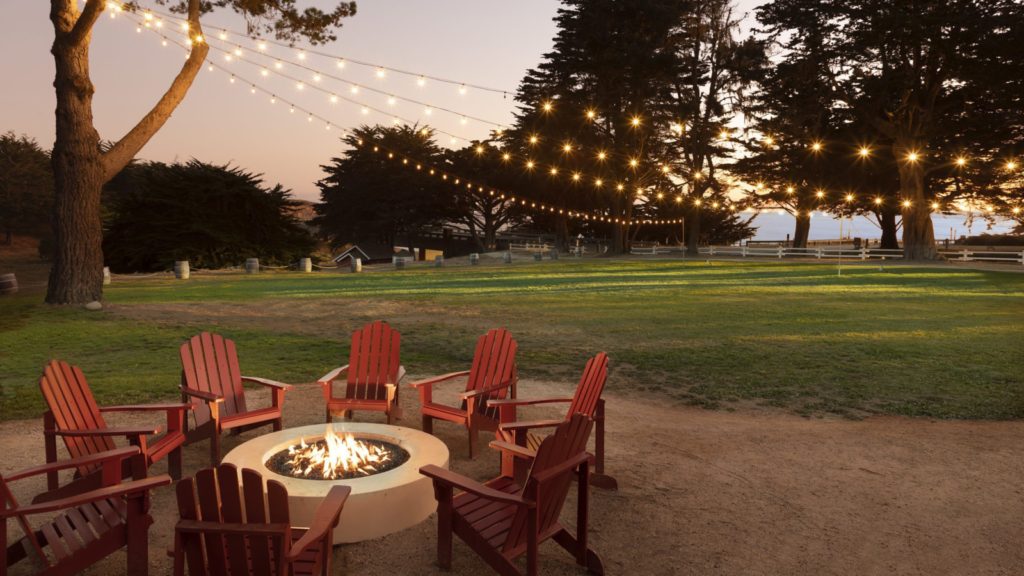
306 265
507 257
8 284
474 259
356 264
438 261
538 256
106 275
398 261
252 265
181 270
554 254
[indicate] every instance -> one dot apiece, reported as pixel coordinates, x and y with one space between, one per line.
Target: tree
368 194
713 68
932 79
594 106
481 212
26 187
212 216
81 168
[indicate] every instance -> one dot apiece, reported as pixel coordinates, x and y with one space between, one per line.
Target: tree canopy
213 216
26 187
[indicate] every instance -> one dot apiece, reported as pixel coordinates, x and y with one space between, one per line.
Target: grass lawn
937 342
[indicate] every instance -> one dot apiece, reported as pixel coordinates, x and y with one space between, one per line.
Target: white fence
830 253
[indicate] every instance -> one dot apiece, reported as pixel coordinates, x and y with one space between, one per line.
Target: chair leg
277 425
215 447
428 424
137 529
531 543
444 526
327 415
473 433
174 464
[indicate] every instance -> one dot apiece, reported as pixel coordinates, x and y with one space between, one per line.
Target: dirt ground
705 492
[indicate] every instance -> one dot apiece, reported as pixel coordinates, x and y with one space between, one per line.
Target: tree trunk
803 229
562 234
887 221
618 239
692 220
918 234
76 275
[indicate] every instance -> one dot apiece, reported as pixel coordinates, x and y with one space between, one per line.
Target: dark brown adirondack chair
492 376
74 416
586 400
212 381
226 529
83 529
502 519
373 374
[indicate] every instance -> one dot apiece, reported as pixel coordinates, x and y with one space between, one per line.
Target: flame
336 456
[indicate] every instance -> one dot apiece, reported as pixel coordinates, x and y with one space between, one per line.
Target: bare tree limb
121 153
86 20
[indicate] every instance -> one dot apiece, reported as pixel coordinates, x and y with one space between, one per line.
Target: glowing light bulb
724 134
365 110
591 114
533 139
238 51
262 46
620 187
462 90
553 171
633 162
768 141
961 161
935 205
567 148
316 78
264 72
817 146
598 182
428 110
820 194
1016 210
302 55
660 195
547 107
530 164
849 197
790 190
278 65
1011 165
479 149
380 73
635 121
906 203
300 86
354 89
913 157
698 175
391 100
865 152
602 155
334 99
664 169
340 63
576 176
421 81
506 156
878 201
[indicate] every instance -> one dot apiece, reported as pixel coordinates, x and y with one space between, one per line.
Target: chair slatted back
209 363
73 407
373 361
568 441
588 391
494 362
216 496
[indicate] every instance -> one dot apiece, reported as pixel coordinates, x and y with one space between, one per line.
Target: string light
865 152
913 157
817 146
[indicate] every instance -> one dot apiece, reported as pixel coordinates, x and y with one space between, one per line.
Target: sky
488 43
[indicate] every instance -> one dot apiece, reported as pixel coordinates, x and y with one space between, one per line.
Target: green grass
914 341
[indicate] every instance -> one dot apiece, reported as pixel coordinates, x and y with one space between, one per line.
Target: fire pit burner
335 457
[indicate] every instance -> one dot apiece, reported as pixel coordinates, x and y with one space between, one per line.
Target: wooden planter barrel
252 265
8 284
181 270
356 264
305 265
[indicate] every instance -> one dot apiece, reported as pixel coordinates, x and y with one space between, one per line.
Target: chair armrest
568 465
136 431
400 375
438 379
449 478
147 407
488 390
267 382
513 449
332 375
521 402
208 396
529 425
324 519
119 454
92 496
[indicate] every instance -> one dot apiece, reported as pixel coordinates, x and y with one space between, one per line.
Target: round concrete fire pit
379 504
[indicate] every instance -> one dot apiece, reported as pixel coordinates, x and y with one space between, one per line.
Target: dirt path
707 492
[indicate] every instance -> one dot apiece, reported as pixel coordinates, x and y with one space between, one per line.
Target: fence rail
832 253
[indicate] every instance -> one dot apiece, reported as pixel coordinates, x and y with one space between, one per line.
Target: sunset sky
482 42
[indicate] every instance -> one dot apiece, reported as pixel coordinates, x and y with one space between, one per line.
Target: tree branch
121 153
83 26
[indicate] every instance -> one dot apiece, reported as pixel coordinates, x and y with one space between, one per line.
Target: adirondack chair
74 416
373 374
227 530
501 519
212 381
492 376
81 530
586 400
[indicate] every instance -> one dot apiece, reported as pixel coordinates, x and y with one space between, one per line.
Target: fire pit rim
423 449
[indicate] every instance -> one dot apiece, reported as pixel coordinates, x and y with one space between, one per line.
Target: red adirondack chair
373 374
586 400
226 529
74 416
83 529
492 376
212 381
502 519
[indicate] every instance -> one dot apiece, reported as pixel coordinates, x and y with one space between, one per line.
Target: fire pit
380 462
